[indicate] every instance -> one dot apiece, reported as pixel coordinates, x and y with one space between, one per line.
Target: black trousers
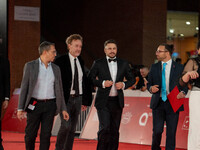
43 114
66 133
162 113
109 123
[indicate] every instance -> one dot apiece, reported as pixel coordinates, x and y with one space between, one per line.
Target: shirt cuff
6 98
103 84
123 86
150 89
183 92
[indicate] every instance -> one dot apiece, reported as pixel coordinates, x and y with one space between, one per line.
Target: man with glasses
41 96
162 79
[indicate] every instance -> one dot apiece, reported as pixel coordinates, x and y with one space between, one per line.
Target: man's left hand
119 85
65 115
180 95
83 107
5 104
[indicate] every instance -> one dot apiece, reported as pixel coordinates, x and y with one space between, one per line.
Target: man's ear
44 52
68 46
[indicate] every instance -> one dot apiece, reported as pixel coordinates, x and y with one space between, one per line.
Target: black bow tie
112 60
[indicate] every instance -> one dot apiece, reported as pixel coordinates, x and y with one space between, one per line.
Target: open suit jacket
29 80
155 78
100 72
4 79
66 73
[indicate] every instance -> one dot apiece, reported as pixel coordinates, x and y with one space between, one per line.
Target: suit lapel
160 71
81 63
34 74
118 69
172 71
68 65
107 70
36 71
54 71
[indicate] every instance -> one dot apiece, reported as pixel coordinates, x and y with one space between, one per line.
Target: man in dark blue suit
162 79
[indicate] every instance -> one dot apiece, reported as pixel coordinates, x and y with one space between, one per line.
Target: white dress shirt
44 87
80 74
113 72
167 73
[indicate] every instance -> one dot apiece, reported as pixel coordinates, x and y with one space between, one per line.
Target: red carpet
15 141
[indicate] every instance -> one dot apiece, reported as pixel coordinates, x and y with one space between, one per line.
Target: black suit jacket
100 72
155 78
66 74
4 78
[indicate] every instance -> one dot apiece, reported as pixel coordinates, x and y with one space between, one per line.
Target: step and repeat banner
136 124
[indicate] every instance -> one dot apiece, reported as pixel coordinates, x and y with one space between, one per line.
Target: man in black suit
4 87
162 79
77 90
108 75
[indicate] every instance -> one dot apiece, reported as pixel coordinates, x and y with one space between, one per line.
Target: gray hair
45 46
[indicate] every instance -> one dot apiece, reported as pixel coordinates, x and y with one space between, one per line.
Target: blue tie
163 89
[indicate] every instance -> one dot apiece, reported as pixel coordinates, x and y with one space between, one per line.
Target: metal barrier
83 116
81 120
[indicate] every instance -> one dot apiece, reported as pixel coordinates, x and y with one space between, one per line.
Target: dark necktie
112 60
76 84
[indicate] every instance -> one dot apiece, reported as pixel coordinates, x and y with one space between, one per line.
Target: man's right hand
154 88
108 83
65 115
20 114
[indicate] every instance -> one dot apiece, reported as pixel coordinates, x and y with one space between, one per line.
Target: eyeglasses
160 51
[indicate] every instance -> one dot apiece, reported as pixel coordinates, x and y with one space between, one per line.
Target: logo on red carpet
185 125
126 117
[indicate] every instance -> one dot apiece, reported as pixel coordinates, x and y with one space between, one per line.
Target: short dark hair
45 46
73 37
169 48
110 41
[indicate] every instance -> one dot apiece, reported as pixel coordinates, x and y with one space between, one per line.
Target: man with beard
162 79
108 74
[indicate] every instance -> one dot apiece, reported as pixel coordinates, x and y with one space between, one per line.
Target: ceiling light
187 22
197 28
171 30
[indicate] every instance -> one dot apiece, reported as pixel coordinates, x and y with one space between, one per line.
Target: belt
44 100
73 95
